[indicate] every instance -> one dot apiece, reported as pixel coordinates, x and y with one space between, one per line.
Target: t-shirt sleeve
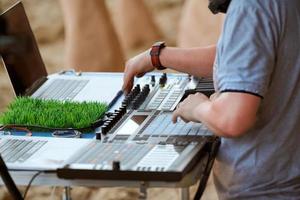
246 51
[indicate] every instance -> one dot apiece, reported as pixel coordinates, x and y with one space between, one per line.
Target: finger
185 120
175 116
214 96
129 87
127 81
140 74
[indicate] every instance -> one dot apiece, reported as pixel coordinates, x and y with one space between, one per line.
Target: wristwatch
154 53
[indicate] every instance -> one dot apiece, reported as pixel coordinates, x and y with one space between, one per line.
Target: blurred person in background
197 26
92 43
255 110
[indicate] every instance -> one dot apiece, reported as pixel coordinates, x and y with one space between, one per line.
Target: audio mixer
138 141
163 92
134 140
153 127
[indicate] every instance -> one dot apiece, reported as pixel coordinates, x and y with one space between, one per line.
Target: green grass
28 111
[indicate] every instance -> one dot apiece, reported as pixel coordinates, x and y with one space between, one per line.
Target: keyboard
161 125
131 156
102 156
18 150
134 161
62 89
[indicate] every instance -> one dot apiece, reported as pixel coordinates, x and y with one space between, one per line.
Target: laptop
28 75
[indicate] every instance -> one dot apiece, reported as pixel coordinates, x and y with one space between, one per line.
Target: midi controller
138 141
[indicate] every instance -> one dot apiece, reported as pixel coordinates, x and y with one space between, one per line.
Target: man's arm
229 114
194 61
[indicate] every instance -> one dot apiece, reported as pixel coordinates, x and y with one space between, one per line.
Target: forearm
195 61
211 118
229 115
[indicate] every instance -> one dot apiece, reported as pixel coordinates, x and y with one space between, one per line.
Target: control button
98 136
137 87
152 82
104 129
163 79
116 165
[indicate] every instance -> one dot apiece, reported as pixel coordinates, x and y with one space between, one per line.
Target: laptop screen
26 68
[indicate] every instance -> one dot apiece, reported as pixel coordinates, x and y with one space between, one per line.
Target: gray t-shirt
259 53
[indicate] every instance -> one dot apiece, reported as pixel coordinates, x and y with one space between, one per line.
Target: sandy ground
48 29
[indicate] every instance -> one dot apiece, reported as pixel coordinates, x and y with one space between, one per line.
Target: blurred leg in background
135 25
198 26
91 42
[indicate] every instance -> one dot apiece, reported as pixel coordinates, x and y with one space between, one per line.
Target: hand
185 110
136 66
214 96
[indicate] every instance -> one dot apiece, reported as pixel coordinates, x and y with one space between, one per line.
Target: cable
210 161
30 182
18 126
33 177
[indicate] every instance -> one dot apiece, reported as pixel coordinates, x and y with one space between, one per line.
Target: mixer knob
118 112
163 79
136 89
98 136
114 118
164 76
116 165
134 103
108 122
125 101
123 108
124 104
146 87
152 82
108 114
104 129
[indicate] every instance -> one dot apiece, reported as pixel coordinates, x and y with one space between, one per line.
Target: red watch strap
154 53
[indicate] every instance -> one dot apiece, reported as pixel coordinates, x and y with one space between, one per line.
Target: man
256 70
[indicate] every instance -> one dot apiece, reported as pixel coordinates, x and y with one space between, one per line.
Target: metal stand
143 191
185 193
67 193
8 181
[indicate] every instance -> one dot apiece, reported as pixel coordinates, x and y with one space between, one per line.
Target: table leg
67 193
185 193
143 191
